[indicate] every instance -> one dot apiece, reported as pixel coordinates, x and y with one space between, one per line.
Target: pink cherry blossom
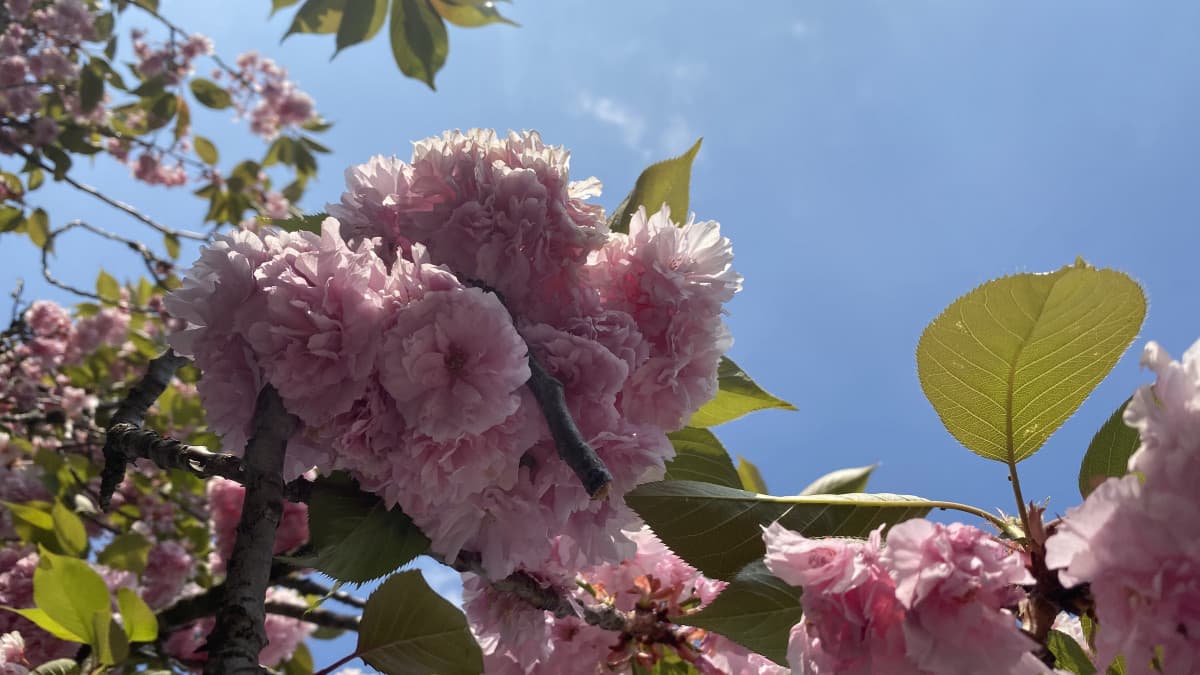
453 363
225 504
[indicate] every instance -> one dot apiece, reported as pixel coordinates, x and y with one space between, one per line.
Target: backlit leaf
666 182
737 395
1006 364
1108 453
419 40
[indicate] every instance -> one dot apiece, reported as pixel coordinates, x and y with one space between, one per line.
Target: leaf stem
1015 479
915 501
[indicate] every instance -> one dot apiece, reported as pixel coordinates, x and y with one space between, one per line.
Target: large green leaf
43 621
68 530
210 94
841 481
361 21
718 530
318 16
356 537
419 40
408 629
1108 453
756 610
700 456
666 182
737 395
71 593
1006 364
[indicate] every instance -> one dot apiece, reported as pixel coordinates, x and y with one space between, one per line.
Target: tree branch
309 587
321 617
239 635
573 450
132 411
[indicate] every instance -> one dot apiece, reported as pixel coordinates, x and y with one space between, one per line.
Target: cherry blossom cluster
936 599
262 91
171 61
39 50
400 337
653 584
1135 540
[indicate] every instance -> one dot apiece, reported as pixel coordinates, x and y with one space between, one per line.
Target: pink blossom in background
284 634
225 504
12 654
169 568
1127 541
519 639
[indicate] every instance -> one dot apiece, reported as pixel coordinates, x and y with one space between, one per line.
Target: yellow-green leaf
107 287
205 150
70 592
750 477
69 530
419 40
37 226
841 481
667 182
210 94
110 643
1108 453
1008 363
140 623
47 624
737 395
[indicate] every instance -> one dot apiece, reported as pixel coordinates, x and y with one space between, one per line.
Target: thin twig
321 617
572 448
309 587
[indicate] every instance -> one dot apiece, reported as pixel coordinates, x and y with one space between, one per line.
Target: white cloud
630 124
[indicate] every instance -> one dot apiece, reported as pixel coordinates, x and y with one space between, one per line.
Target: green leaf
301 662
469 14
171 244
57 667
281 151
205 150
665 182
111 644
756 610
36 178
210 94
37 226
70 592
107 287
183 118
129 551
750 477
47 624
1068 654
311 223
318 16
700 456
419 41
408 629
356 537
277 5
360 23
32 514
737 395
841 481
137 617
718 530
11 218
69 530
1006 364
1108 453
91 87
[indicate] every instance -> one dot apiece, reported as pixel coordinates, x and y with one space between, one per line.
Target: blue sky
871 162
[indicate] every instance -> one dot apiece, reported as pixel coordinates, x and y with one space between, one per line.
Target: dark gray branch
573 450
321 617
132 411
309 587
239 634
